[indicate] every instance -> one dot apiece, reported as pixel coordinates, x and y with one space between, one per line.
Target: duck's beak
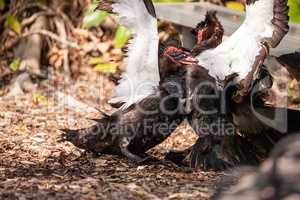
189 60
201 36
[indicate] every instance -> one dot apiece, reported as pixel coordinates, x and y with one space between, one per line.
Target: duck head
173 52
207 28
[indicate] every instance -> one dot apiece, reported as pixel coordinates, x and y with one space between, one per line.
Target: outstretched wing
142 74
265 25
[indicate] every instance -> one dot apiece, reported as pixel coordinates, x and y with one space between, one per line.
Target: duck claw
206 155
177 157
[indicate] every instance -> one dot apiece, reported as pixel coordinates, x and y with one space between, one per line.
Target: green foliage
106 67
96 60
13 23
99 66
294 11
94 17
14 66
39 97
235 5
2 4
122 36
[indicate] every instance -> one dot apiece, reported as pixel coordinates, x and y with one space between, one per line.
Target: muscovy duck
234 124
148 114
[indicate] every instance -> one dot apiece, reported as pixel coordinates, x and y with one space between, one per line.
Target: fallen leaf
106 67
122 36
15 64
235 5
13 23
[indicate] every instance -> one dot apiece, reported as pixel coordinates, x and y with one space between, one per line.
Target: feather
292 63
265 24
142 73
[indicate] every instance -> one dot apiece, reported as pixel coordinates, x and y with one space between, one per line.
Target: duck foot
221 152
177 157
207 154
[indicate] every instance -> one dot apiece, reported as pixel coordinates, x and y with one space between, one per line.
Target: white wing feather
142 73
237 54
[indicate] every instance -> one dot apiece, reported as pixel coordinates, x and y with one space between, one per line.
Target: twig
32 18
48 9
66 19
86 48
29 6
52 36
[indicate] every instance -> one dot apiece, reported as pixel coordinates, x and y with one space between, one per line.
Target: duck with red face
173 58
208 33
179 56
236 65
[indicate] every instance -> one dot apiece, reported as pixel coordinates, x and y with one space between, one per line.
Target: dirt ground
34 164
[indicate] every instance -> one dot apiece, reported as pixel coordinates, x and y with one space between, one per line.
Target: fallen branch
30 50
18 11
28 21
31 60
44 8
86 48
66 19
50 35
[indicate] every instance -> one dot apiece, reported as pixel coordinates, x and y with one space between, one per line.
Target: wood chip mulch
34 164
